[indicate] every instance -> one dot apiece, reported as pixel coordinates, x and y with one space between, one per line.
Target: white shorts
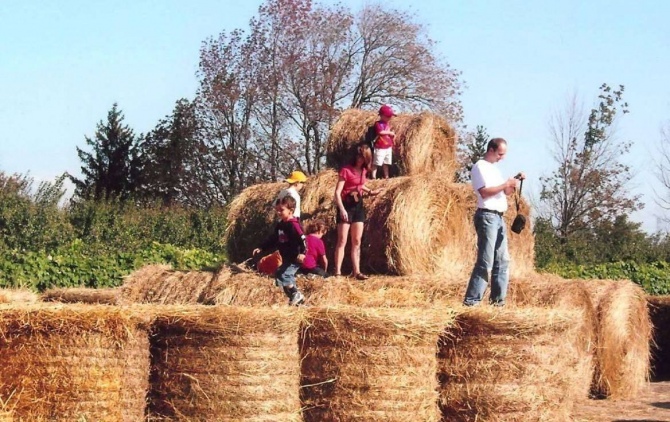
383 156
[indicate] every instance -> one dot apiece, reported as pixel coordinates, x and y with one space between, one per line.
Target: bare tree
589 185
663 168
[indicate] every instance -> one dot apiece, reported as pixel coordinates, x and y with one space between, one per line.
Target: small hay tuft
370 364
102 296
225 364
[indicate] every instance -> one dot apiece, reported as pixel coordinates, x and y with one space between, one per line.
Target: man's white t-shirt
294 193
484 175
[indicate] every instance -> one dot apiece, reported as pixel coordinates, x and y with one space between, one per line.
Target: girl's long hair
363 151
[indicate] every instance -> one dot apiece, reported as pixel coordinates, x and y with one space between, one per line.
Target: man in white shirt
492 252
296 182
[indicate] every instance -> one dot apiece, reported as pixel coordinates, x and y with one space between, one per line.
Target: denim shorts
356 214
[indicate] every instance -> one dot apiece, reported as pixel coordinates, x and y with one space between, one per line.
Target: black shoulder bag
519 222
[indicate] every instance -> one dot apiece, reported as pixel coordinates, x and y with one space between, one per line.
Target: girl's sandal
361 276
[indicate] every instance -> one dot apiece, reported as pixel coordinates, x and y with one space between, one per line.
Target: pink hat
386 111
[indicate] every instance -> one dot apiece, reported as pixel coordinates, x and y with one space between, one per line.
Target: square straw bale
370 364
225 363
103 296
161 285
513 365
73 362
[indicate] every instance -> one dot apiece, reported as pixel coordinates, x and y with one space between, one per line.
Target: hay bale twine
73 362
659 313
512 364
18 296
624 336
425 142
102 296
160 285
225 364
251 219
370 364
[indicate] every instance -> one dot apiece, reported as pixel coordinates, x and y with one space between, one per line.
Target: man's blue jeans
492 258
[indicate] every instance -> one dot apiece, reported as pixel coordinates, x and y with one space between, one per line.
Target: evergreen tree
471 150
111 169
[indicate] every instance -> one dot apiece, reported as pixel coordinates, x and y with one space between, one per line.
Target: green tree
590 184
113 167
471 150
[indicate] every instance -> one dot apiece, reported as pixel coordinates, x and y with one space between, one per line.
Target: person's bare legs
342 236
356 237
385 168
374 172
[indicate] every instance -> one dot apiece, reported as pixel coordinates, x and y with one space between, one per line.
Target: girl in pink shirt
350 212
315 261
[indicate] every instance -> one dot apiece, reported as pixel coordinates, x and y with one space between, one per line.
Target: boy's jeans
492 256
285 275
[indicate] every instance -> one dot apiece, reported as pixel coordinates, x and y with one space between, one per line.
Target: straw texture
225 364
370 364
160 285
103 296
68 362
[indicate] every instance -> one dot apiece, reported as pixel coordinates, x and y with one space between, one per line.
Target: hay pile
225 364
659 312
624 334
161 285
513 365
251 219
370 364
425 142
73 362
103 296
17 296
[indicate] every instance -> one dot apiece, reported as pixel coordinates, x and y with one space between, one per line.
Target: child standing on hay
316 250
383 146
492 252
350 212
289 239
296 182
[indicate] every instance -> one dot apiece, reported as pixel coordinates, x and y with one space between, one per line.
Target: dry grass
103 296
73 362
513 365
251 219
225 364
18 296
425 142
659 312
370 364
160 285
624 335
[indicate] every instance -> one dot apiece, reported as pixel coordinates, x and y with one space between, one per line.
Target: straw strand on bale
424 143
513 365
370 364
103 296
225 364
68 362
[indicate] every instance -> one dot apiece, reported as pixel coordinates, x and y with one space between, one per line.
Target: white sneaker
297 299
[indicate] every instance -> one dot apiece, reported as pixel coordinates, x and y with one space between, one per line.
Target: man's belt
490 211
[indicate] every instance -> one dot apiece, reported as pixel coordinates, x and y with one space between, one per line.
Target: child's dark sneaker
297 299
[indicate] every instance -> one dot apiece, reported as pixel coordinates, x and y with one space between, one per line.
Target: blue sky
63 64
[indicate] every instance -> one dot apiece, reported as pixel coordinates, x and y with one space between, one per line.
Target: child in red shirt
316 250
383 151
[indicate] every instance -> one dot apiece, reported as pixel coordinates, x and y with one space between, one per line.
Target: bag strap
519 196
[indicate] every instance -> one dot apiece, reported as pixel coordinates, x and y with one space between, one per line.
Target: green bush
653 277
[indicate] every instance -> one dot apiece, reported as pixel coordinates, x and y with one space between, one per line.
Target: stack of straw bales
659 312
425 142
514 365
225 364
73 362
103 296
370 364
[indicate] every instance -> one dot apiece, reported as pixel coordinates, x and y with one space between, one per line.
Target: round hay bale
370 364
659 313
624 336
251 219
17 296
103 296
225 364
73 362
512 364
425 142
159 284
